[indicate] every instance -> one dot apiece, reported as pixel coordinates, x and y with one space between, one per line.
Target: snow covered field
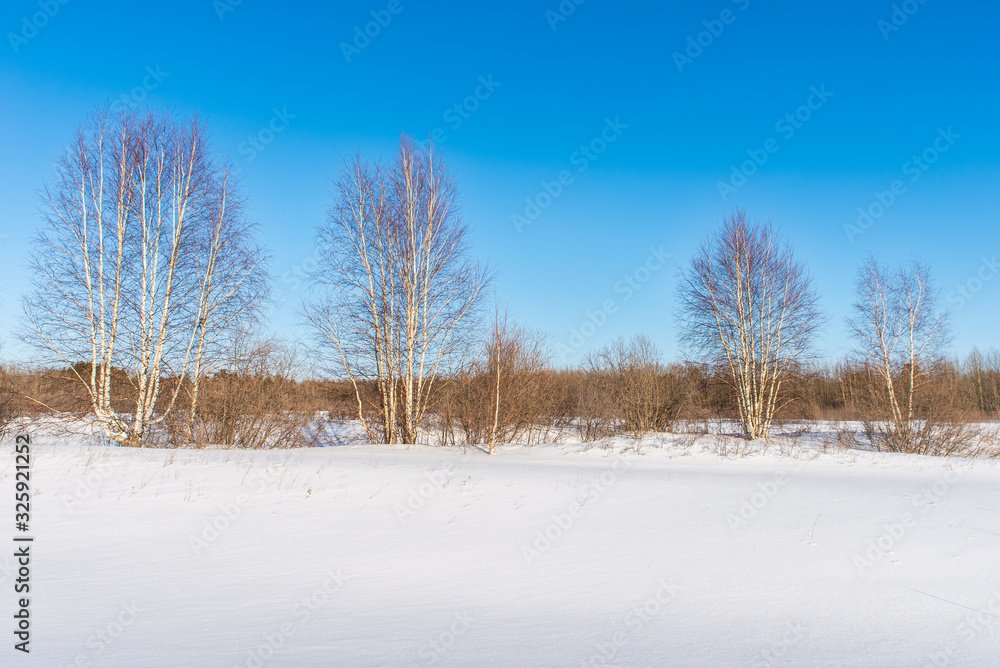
557 555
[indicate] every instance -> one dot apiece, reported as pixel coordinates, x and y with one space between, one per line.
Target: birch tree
396 288
120 279
748 306
232 289
899 334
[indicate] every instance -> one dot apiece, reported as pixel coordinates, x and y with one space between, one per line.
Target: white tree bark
397 285
119 294
748 306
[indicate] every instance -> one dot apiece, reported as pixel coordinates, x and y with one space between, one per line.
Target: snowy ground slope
549 556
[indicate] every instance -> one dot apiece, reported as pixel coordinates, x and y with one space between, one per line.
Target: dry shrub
248 404
642 395
504 394
980 377
709 392
936 424
595 409
9 404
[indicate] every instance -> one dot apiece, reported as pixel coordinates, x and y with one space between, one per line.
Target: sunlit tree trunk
116 278
749 306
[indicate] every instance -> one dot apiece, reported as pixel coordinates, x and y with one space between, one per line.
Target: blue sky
643 109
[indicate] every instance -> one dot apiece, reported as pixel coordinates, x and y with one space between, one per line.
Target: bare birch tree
232 287
396 286
119 276
748 306
900 335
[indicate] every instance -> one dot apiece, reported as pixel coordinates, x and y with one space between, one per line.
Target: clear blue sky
898 87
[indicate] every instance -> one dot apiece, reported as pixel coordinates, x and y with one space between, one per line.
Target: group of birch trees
147 268
144 263
748 306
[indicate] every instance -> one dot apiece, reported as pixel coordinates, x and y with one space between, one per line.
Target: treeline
151 286
622 390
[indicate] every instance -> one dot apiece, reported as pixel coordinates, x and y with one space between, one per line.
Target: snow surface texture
557 555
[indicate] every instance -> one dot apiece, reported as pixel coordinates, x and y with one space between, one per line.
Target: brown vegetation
536 401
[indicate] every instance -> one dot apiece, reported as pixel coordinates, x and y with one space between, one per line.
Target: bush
247 405
643 396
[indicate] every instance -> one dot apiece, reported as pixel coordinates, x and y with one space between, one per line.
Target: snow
378 556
